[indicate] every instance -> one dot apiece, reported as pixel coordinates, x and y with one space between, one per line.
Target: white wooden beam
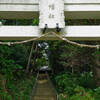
18 32
82 32
19 2
82 1
29 9
70 32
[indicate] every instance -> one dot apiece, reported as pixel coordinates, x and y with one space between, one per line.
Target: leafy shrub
97 93
76 87
81 94
5 96
66 83
86 80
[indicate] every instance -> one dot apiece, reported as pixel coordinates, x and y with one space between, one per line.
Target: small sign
51 13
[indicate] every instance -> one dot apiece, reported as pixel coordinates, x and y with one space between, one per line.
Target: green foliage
78 67
96 54
86 80
13 60
23 89
65 83
5 96
64 56
18 89
76 87
97 93
35 22
79 94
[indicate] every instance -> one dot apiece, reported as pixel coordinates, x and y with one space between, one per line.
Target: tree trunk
3 83
29 59
34 58
96 70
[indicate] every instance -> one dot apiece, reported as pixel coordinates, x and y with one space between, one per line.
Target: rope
77 44
22 42
59 36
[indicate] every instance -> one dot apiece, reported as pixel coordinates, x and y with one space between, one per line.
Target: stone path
44 89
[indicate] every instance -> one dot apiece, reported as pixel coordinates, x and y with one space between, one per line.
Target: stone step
43 81
46 89
44 97
43 84
42 92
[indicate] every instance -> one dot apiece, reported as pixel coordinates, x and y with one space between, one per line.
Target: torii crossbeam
70 32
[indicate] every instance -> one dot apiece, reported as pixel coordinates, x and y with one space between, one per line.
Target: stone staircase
44 90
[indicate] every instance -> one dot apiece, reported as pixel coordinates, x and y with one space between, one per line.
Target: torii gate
56 10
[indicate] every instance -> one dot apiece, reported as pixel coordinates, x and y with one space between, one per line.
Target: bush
81 94
97 93
86 80
76 87
65 83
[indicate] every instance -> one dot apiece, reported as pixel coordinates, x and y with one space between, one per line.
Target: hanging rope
22 42
49 33
77 44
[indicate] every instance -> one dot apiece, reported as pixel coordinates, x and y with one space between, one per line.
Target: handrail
33 90
52 86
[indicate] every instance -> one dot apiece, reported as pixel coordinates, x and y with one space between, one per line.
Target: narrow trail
44 89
